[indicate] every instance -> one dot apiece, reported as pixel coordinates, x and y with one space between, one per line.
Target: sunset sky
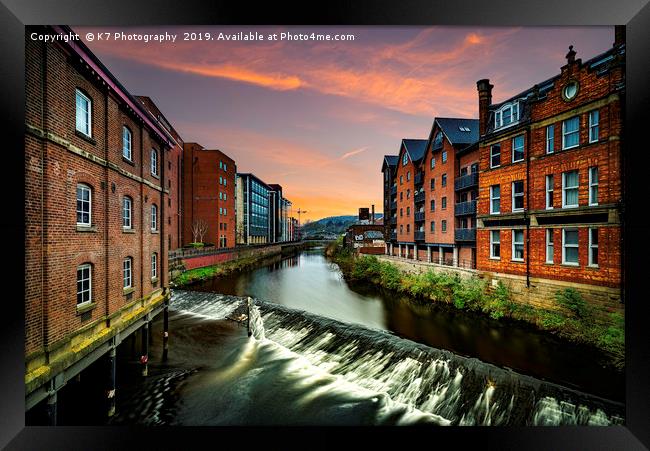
317 117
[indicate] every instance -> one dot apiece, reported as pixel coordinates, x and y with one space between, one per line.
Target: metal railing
465 234
419 197
393 205
419 236
393 236
419 216
466 181
393 190
419 178
465 208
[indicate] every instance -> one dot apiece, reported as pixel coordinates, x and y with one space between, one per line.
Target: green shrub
499 303
551 320
571 300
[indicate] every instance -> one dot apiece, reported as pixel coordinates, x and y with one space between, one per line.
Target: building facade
96 195
278 214
550 191
209 196
389 169
253 210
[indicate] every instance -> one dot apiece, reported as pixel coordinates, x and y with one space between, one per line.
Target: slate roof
455 129
391 159
415 148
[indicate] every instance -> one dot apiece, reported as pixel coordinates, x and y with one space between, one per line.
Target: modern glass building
253 219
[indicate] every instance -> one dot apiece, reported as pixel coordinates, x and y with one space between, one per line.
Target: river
327 352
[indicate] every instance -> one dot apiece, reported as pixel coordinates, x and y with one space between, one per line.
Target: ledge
86 229
85 137
125 230
126 291
83 308
126 160
155 232
154 280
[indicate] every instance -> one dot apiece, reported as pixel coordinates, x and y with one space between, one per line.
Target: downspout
162 256
526 218
44 113
106 208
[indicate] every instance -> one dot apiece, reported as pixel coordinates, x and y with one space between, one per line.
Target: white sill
593 266
573 265
570 206
594 205
572 147
517 161
494 167
495 258
518 210
495 213
517 260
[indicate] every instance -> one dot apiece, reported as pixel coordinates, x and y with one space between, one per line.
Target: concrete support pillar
440 255
455 255
391 249
428 254
150 332
415 252
110 390
51 406
165 332
399 250
144 358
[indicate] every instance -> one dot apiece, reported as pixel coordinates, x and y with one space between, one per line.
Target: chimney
484 101
372 218
619 35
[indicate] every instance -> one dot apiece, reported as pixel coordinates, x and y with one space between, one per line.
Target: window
405 159
84 283
401 195
126 273
408 211
154 265
433 162
517 148
225 181
495 199
408 176
154 162
401 229
433 205
443 181
549 246
408 193
550 139
593 126
443 225
570 189
593 185
437 141
126 143
84 197
401 179
444 203
220 195
518 195
508 114
495 244
571 133
225 212
84 113
433 226
495 156
401 210
225 167
433 183
593 247
126 212
570 247
518 245
154 217
444 156
220 164
549 192
408 228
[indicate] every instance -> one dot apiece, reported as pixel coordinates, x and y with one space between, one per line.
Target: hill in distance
332 225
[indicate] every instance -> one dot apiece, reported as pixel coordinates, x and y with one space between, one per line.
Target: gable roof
390 160
415 148
455 129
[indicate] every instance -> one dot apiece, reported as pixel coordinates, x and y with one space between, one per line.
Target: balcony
393 236
419 178
465 208
393 205
393 190
419 197
419 216
465 234
419 236
466 181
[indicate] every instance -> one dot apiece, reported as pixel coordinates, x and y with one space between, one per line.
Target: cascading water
325 372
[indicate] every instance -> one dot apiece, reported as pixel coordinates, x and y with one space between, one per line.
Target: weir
448 388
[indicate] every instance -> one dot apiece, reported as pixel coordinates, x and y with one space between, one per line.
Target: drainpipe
526 218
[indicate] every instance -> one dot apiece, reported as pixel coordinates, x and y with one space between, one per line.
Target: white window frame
84 187
443 156
564 247
593 125
550 138
88 118
593 185
83 267
565 188
127 149
493 198
433 162
523 148
514 243
550 246
443 179
443 226
154 217
514 115
492 154
127 273
127 200
405 159
493 242
565 134
519 195
592 246
550 190
154 265
154 162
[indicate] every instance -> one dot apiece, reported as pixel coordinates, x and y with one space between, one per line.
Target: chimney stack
619 35
484 101
372 218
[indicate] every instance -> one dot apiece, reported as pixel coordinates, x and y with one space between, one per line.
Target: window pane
571 254
571 237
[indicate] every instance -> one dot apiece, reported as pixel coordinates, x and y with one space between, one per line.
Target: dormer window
405 159
508 114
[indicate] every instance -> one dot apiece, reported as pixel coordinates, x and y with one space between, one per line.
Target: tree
199 228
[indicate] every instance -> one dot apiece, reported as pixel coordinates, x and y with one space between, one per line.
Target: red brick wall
449 168
404 220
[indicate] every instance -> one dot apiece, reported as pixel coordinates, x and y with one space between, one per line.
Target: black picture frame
634 14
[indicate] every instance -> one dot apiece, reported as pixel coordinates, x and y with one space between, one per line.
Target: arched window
127 210
405 159
84 283
437 141
126 143
154 217
84 205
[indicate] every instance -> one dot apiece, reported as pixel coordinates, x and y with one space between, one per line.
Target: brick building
550 188
174 180
208 195
389 169
96 194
